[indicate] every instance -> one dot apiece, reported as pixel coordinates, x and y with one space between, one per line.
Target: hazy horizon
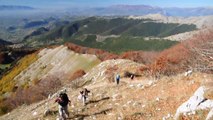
60 4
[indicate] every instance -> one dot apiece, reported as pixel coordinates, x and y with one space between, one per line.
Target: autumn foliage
145 57
185 56
193 54
172 61
101 54
7 83
201 45
137 56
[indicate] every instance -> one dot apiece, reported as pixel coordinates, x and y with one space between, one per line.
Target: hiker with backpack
117 78
132 76
63 102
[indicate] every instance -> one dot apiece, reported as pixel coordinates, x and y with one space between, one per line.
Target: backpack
64 98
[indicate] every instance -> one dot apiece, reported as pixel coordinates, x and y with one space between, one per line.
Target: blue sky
97 3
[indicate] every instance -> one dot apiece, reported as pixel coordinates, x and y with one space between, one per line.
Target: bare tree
202 49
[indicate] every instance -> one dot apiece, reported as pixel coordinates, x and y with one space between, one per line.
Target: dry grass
113 102
209 85
199 115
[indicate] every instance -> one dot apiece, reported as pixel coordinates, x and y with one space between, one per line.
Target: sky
101 3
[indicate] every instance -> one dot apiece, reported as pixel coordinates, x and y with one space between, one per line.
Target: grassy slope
121 44
129 27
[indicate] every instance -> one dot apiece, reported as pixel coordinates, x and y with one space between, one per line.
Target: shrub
77 74
39 91
101 54
4 108
140 56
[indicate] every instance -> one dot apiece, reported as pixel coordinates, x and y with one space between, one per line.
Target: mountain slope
156 91
38 31
3 42
57 64
35 24
60 61
87 30
142 98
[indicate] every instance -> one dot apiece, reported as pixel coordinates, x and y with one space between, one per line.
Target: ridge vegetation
99 32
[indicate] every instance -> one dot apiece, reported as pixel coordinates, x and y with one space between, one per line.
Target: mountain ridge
87 31
124 9
155 92
15 7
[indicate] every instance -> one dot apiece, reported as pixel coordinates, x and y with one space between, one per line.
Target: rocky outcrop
109 68
197 102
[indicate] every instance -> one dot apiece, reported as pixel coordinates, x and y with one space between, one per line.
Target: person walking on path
117 79
85 95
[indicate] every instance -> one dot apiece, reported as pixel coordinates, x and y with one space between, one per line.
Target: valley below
165 62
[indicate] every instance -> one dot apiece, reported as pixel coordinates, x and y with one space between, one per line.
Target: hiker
63 102
84 94
117 79
80 96
132 76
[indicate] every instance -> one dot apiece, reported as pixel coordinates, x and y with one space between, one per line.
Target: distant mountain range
14 7
127 10
142 10
122 10
201 11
